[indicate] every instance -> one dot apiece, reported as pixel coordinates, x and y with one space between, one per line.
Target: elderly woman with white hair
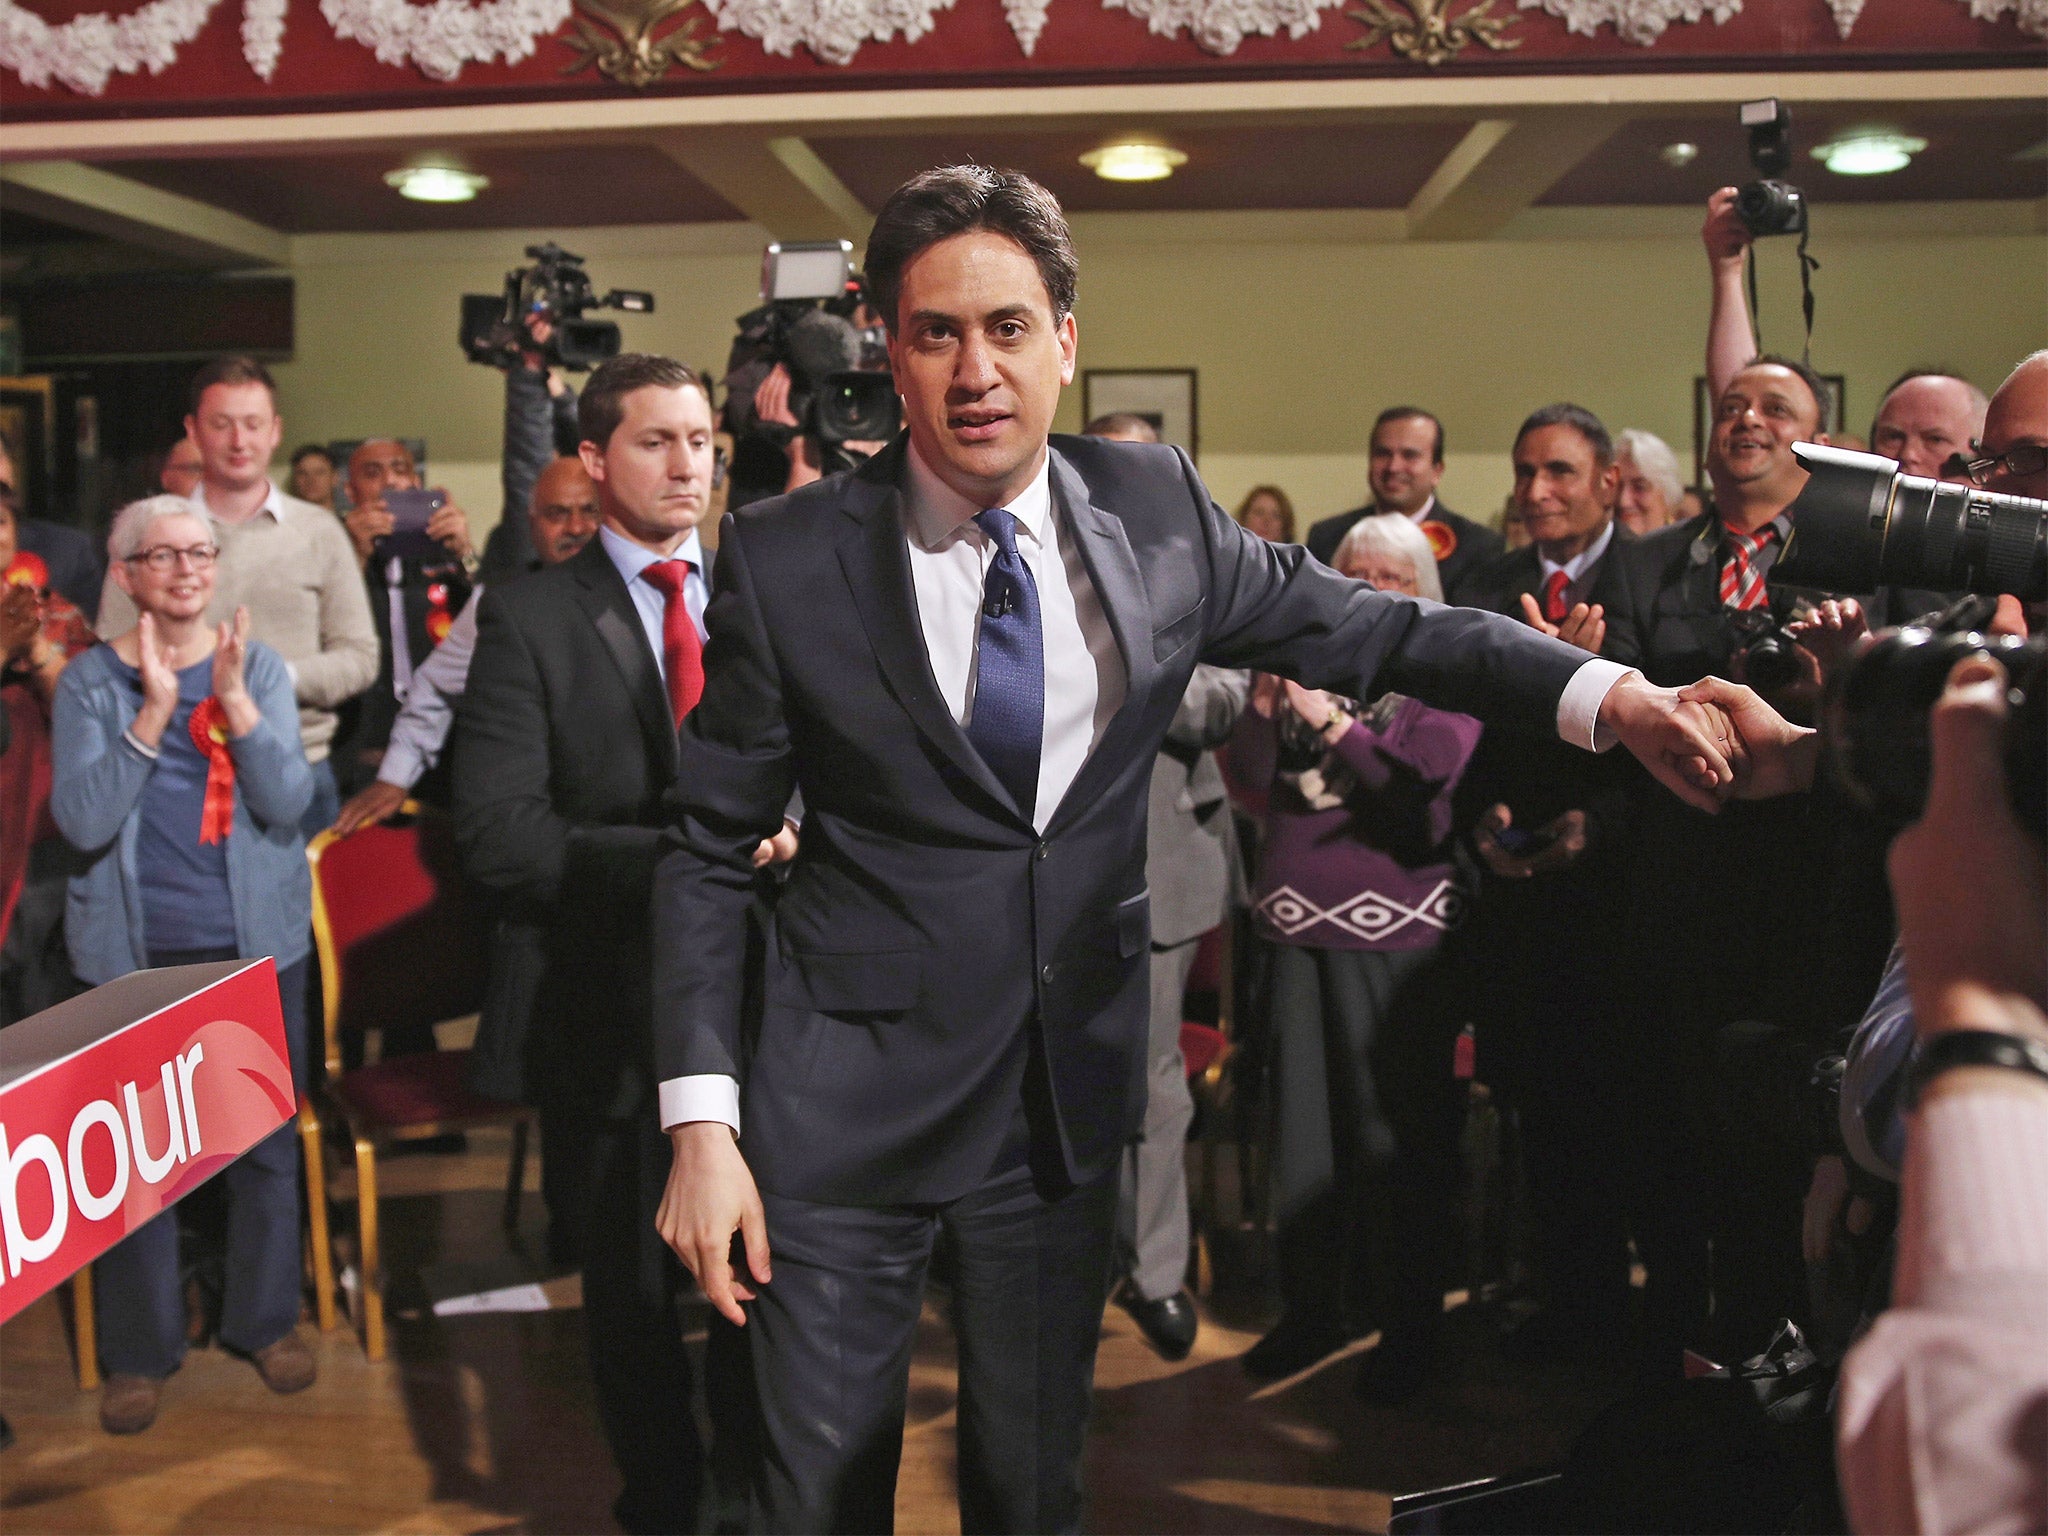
180 781
1356 886
1651 488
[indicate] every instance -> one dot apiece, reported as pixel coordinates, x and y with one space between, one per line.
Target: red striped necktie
682 653
1742 582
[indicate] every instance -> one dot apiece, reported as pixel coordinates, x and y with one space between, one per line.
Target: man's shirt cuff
1578 707
705 1096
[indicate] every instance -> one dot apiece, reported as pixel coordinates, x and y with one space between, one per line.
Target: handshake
1711 740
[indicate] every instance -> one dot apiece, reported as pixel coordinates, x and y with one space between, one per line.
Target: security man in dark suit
565 745
967 653
1407 467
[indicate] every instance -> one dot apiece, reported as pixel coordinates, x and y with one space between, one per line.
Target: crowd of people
1425 891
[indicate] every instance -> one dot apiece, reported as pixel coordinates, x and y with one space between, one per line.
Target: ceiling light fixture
1869 152
1134 162
436 183
1679 155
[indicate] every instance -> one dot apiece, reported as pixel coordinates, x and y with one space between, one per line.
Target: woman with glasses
180 781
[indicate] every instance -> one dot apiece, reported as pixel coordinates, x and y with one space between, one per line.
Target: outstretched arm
1731 338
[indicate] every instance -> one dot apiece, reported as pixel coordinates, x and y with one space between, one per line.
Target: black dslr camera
557 289
1875 721
840 388
1770 205
1766 652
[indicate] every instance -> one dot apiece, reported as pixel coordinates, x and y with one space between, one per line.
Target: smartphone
411 511
1521 842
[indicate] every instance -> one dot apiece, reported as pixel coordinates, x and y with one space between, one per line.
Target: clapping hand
159 683
1585 626
1832 633
21 622
230 652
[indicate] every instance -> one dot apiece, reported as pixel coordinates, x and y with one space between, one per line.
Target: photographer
540 426
414 596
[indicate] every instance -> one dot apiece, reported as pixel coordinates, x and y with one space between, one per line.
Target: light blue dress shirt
630 560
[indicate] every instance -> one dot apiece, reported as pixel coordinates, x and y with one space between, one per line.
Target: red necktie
1742 584
682 653
1556 604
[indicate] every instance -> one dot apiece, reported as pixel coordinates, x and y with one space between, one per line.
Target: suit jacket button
1042 851
1045 975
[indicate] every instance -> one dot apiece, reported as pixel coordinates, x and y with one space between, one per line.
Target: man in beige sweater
287 560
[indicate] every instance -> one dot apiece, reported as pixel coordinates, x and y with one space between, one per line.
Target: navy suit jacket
928 937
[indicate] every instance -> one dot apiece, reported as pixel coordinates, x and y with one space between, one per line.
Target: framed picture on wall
1166 397
1703 417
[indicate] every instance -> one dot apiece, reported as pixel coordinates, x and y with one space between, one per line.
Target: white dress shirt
421 730
1085 679
1576 569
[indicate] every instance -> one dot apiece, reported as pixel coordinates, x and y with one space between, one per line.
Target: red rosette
439 619
210 735
27 569
1443 538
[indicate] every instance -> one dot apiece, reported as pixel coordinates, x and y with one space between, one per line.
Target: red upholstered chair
1206 1051
399 946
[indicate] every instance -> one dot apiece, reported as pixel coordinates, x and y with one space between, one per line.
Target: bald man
562 517
1925 420
414 597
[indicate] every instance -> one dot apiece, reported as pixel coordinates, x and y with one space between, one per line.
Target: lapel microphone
998 604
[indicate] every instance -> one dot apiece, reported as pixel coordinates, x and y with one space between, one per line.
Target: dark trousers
141 1302
831 1340
1327 1009
633 1327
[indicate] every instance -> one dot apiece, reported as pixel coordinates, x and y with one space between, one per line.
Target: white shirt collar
273 502
938 512
1575 567
630 559
1423 511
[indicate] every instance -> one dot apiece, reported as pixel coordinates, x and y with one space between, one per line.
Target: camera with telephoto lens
556 289
1860 523
1874 724
1770 205
840 388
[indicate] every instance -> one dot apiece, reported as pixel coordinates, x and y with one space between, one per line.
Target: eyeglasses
163 557
2027 459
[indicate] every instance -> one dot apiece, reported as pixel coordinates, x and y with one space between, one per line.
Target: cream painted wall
1301 329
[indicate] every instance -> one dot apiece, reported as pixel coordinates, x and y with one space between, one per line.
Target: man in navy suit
967 653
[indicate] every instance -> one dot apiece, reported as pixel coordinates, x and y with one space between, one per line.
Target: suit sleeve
734 781
514 842
1275 609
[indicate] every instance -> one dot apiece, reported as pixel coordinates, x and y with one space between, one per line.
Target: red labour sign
118 1104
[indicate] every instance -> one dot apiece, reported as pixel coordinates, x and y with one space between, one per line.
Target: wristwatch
1974 1048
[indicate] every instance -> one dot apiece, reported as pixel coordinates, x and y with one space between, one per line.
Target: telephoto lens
1860 524
1875 721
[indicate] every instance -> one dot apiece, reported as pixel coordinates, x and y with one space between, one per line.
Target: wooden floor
484 1423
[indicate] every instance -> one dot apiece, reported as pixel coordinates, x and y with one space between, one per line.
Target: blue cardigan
96 799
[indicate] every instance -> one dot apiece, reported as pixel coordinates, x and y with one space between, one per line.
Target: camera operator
540 426
414 597
771 408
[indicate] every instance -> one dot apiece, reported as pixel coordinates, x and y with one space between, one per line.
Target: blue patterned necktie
1009 670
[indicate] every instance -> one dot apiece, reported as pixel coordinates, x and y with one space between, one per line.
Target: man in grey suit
1193 867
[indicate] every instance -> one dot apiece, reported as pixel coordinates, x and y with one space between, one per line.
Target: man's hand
710 1196
1585 626
1724 234
368 807
1685 745
1833 633
449 527
21 622
1969 880
1771 756
779 849
366 524
1566 840
771 399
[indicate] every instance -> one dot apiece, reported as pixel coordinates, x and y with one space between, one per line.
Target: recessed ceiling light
1133 162
1679 155
436 183
1869 152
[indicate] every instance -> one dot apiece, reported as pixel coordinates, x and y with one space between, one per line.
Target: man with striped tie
1726 967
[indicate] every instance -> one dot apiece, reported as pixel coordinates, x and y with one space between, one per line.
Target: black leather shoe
1169 1323
1290 1347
